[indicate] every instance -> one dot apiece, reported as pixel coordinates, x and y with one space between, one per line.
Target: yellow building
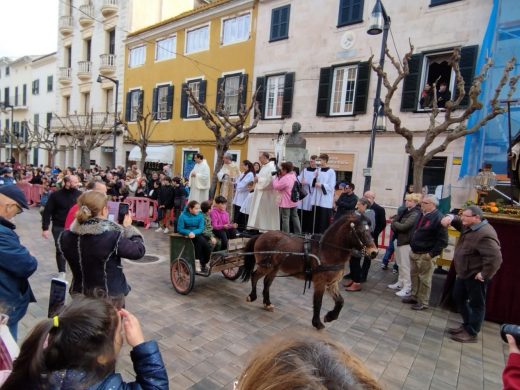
209 46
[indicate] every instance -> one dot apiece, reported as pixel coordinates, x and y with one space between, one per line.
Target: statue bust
295 139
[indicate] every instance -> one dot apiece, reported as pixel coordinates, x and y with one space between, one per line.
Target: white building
91 52
311 57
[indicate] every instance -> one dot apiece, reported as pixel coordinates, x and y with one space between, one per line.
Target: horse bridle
356 236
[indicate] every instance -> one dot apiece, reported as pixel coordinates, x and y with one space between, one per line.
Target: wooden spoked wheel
182 276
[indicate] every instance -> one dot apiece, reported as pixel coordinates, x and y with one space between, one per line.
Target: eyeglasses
426 202
468 216
20 209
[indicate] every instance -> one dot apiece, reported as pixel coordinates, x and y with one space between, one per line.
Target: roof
186 14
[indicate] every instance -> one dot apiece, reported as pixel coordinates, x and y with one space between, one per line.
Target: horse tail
249 259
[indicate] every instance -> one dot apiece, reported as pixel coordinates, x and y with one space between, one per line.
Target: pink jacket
219 219
284 185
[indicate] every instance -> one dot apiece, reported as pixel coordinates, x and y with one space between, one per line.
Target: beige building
311 59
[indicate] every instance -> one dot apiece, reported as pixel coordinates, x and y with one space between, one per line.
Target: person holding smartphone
94 246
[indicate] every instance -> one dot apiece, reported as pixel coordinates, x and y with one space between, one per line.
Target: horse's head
360 237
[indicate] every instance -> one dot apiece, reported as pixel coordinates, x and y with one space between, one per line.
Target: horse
275 251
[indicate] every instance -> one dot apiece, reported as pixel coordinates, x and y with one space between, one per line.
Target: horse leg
268 280
333 290
319 289
255 277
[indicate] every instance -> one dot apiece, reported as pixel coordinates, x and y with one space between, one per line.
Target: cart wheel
182 276
233 273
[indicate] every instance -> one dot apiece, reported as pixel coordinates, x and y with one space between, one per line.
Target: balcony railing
86 15
83 122
65 76
109 7
66 25
84 70
108 64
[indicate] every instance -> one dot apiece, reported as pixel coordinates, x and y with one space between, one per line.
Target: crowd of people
252 197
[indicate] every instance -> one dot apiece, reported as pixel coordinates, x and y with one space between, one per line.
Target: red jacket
70 216
511 374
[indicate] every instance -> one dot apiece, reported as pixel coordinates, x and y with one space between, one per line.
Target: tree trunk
418 169
85 158
52 155
143 158
221 151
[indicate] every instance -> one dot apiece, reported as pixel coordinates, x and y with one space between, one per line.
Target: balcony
108 64
86 15
96 121
66 25
64 76
84 70
109 8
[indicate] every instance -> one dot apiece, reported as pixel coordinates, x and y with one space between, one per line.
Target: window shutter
141 104
220 84
468 59
324 92
362 84
411 82
288 90
243 85
155 103
184 101
202 91
275 23
128 107
171 90
260 95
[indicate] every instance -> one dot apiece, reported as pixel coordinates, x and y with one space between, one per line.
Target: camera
275 173
513 330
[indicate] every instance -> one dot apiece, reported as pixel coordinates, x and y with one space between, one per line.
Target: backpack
298 192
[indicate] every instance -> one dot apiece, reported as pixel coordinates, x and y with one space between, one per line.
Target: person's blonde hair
90 205
304 361
415 197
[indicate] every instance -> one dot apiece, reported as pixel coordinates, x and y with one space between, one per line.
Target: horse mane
345 219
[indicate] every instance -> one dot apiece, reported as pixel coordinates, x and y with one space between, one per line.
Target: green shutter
362 84
288 90
325 85
169 100
468 60
128 107
411 82
184 101
202 91
155 103
243 85
260 95
220 84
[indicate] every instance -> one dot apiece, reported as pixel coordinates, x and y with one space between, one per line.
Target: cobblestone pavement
206 336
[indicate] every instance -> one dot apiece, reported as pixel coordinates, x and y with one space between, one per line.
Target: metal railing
82 121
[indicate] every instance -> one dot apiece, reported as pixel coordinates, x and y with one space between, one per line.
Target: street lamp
5 106
379 23
116 82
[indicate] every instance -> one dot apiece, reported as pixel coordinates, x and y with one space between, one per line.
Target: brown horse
276 251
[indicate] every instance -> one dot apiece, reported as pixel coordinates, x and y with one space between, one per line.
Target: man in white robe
323 186
264 213
305 207
199 180
227 177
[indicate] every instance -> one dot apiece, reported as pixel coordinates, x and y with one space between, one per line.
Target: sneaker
395 270
159 230
419 306
166 230
197 265
384 266
62 276
396 286
204 269
405 292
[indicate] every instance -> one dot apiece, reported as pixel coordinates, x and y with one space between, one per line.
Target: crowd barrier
32 192
143 210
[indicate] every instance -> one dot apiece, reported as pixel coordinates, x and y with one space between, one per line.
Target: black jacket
165 197
58 207
345 203
380 214
97 265
429 236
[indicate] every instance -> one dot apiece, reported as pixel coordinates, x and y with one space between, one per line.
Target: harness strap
307 264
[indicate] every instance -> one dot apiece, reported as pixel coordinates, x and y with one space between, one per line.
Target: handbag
298 192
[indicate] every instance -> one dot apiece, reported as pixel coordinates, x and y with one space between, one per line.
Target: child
78 349
208 228
246 206
165 201
179 199
222 228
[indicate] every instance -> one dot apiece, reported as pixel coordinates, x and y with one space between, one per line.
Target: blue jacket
148 366
16 265
189 223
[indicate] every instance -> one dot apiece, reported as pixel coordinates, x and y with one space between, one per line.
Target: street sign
367 172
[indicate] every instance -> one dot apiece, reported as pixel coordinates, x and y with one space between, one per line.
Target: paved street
206 337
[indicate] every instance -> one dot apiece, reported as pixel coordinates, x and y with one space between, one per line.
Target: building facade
208 50
311 60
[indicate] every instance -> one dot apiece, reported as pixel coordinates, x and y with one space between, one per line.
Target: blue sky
28 27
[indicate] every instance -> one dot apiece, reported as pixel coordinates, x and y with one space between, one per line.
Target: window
280 23
109 98
427 67
50 82
198 88
137 56
85 97
234 87
163 102
433 3
36 123
88 49
36 87
24 95
48 120
197 39
134 105
343 90
350 12
236 29
275 95
7 71
16 96
6 96
111 42
165 48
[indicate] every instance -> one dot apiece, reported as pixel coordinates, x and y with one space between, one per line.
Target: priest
227 177
199 180
323 186
305 207
264 213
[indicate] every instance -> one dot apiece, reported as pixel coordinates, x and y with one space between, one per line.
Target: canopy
155 153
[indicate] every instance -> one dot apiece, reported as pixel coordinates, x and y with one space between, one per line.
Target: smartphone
57 296
122 212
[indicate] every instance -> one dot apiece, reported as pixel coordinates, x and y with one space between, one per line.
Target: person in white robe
264 213
227 176
241 193
199 180
307 204
324 187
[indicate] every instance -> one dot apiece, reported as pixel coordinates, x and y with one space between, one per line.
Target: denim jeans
389 250
470 297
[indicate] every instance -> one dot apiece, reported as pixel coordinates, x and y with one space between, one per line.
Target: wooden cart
182 262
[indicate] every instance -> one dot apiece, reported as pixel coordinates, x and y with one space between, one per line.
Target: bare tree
146 125
225 129
47 140
85 132
448 124
20 139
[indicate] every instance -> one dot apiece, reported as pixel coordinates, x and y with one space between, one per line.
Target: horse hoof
248 299
329 318
251 298
269 307
319 326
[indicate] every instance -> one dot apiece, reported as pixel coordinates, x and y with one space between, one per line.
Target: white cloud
28 27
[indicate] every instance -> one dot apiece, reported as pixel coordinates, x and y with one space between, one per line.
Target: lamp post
116 82
5 106
379 23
